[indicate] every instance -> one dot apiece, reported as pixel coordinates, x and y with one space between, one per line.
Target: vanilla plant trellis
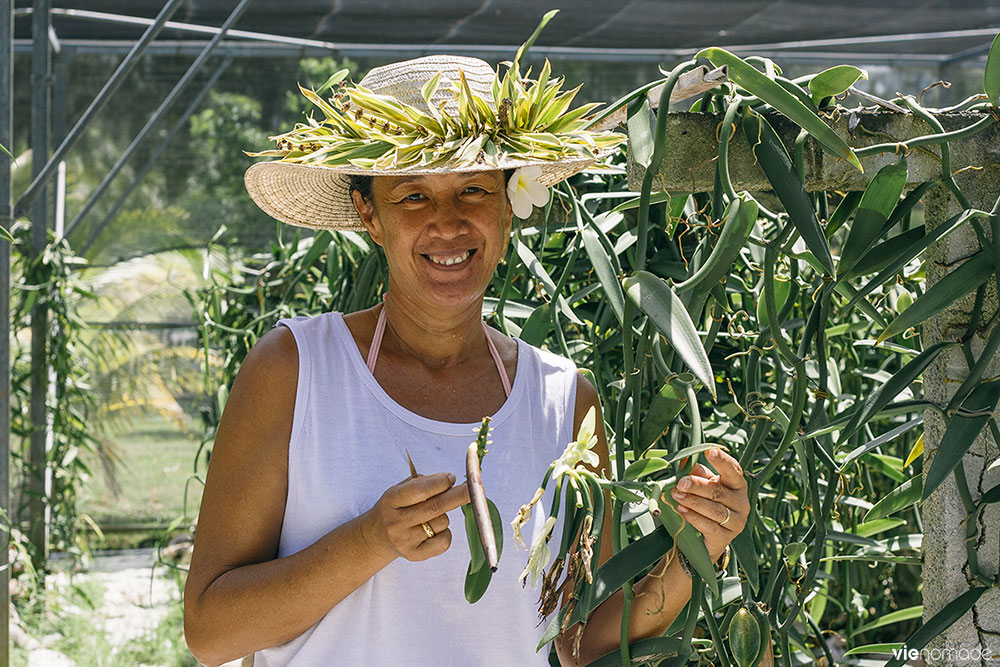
789 419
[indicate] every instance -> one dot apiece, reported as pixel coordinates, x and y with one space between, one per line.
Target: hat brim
319 197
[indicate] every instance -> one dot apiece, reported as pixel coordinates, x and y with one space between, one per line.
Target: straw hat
430 115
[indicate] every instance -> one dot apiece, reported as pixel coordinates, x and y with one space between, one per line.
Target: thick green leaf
869 528
961 433
834 81
641 126
478 558
845 209
911 252
885 392
626 495
655 198
751 79
784 178
879 441
537 327
737 225
940 622
907 614
605 272
645 651
665 309
991 496
476 583
991 77
899 498
892 466
478 576
782 288
688 539
888 251
746 555
973 273
664 408
643 467
877 203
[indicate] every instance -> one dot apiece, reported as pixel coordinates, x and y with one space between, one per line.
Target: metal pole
109 88
188 75
156 154
38 474
6 139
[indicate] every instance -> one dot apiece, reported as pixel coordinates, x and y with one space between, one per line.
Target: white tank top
348 445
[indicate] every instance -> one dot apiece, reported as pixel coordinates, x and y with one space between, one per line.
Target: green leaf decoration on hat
532 121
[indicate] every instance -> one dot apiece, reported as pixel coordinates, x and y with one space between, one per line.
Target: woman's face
443 234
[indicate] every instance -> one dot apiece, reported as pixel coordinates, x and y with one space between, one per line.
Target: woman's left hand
717 505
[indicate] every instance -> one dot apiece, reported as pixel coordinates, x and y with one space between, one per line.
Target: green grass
157 458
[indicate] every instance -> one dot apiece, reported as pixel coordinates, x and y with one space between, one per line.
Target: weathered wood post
689 166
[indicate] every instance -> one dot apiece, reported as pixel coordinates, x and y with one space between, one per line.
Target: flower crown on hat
430 115
361 128
373 131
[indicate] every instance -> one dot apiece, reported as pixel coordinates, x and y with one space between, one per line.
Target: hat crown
404 80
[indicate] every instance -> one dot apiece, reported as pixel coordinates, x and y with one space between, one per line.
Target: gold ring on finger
427 529
729 513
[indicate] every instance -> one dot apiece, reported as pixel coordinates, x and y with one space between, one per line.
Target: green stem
724 136
657 159
928 140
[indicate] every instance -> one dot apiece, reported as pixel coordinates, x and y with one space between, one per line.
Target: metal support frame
6 139
160 111
37 483
156 153
109 88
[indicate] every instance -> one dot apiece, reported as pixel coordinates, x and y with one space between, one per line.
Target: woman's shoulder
546 358
274 358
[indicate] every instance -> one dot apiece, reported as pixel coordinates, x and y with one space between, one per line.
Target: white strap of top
380 331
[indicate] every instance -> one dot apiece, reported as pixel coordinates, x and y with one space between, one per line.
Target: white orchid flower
524 190
581 449
538 558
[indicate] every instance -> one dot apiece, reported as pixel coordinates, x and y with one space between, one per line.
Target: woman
315 546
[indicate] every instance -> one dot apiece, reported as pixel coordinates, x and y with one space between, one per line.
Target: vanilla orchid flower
581 449
524 190
538 558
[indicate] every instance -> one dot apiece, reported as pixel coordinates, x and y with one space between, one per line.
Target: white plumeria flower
540 554
524 190
581 449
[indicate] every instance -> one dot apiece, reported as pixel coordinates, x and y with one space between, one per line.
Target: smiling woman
309 549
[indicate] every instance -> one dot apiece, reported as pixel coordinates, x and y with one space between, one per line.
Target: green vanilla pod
744 638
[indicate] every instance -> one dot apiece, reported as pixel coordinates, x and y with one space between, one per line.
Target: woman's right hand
394 524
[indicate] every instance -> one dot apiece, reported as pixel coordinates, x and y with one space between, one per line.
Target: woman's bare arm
239 596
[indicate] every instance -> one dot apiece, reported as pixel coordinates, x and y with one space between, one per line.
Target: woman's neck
437 339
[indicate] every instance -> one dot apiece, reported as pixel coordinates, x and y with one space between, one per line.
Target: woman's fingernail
678 494
684 484
714 453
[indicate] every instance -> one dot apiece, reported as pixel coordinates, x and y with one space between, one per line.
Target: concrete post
945 568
